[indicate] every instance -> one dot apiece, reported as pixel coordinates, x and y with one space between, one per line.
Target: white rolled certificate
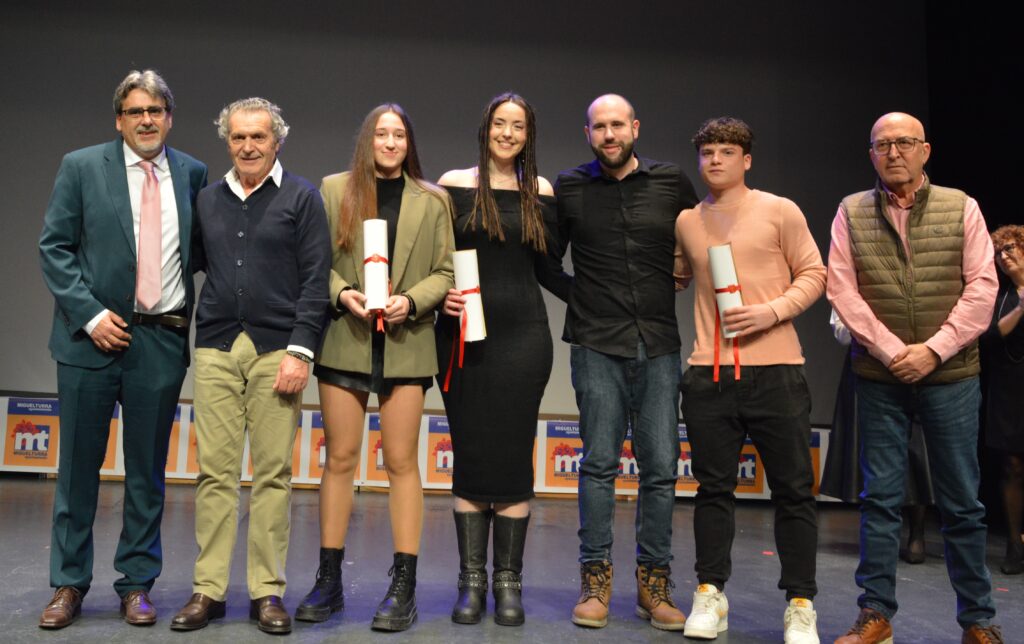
467 281
727 286
375 264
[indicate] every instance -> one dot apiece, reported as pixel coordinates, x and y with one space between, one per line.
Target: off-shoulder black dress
492 403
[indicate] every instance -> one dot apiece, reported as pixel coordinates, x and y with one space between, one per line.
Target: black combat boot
327 595
397 611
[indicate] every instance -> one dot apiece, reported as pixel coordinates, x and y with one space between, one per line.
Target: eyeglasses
1007 249
903 144
155 112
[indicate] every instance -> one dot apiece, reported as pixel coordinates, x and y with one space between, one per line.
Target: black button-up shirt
623 238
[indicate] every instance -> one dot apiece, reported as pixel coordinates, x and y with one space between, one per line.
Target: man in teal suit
115 252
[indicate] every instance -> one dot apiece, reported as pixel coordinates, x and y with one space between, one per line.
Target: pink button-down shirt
968 319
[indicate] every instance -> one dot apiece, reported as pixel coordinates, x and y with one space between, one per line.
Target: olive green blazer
421 268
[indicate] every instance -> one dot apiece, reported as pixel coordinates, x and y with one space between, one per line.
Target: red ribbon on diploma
379 259
462 340
732 288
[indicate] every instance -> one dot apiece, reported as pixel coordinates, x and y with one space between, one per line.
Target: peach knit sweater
777 263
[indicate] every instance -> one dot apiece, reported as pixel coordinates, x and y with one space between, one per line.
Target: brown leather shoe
654 598
272 616
595 594
982 635
137 610
197 613
65 606
871 627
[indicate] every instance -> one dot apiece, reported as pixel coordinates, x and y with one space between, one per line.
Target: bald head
901 167
612 129
610 101
901 120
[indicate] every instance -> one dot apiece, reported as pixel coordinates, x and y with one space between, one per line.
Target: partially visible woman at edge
507 213
1002 370
386 182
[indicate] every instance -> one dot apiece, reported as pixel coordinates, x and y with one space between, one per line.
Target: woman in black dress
1002 354
505 212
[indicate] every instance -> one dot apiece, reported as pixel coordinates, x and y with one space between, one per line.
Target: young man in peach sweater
751 385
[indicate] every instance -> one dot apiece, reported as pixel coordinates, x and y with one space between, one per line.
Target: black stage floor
551 576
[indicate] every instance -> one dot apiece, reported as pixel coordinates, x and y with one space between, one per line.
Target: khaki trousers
234 393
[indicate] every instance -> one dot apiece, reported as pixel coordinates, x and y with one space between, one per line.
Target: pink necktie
148 284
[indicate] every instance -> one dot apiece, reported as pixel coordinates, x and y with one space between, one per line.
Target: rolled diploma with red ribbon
467 280
723 276
375 264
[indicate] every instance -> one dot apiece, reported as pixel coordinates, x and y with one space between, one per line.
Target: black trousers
772 405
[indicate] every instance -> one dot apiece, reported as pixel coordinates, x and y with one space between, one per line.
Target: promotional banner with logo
317 443
32 436
31 440
373 447
749 474
563 450
440 458
113 464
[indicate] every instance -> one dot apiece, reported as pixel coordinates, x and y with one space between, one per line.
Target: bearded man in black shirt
618 213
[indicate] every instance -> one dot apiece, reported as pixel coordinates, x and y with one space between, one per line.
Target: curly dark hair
724 129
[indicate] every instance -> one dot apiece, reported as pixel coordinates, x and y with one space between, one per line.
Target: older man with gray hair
264 245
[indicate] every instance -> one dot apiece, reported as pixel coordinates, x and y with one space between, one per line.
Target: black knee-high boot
473 530
507 584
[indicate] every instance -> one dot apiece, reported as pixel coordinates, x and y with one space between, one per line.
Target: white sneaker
801 622
710 613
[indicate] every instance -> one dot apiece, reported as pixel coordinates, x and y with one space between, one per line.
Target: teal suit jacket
87 247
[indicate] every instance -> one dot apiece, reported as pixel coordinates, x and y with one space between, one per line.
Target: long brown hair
359 201
484 206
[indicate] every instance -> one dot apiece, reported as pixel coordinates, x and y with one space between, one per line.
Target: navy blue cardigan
267 262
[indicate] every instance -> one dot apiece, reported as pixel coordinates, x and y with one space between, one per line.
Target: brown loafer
197 613
272 616
137 610
65 606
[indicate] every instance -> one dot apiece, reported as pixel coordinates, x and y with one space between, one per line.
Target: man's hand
454 303
914 364
292 375
354 301
750 319
397 309
110 335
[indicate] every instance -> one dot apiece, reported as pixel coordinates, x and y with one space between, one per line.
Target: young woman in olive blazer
385 181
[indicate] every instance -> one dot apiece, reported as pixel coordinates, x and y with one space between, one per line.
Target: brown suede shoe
65 606
654 599
595 594
982 635
272 616
871 627
137 610
197 613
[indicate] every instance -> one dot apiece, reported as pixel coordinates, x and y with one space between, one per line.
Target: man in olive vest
910 273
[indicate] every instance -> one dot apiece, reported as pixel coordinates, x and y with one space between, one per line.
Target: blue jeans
949 416
614 393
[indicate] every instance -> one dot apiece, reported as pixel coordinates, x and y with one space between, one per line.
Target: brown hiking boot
595 594
654 598
871 627
978 634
